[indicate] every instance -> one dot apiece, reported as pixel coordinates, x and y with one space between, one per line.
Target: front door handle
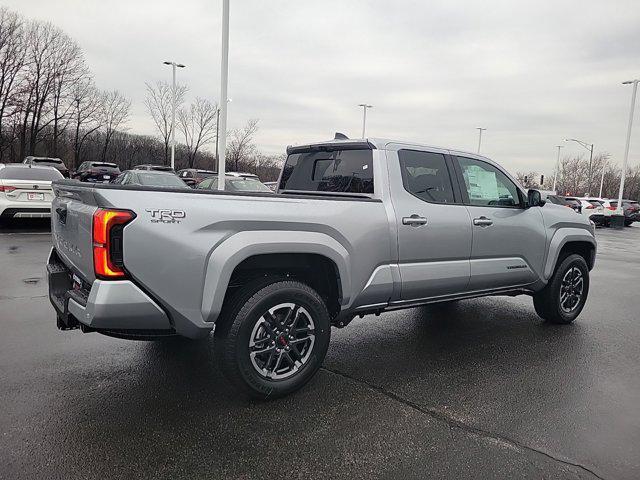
414 220
482 221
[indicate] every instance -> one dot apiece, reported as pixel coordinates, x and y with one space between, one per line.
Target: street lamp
620 210
480 130
174 65
555 175
604 165
588 146
364 117
224 80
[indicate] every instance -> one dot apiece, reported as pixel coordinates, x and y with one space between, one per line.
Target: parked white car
608 209
592 208
25 191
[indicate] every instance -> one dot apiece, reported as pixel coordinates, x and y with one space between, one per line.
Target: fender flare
225 257
560 238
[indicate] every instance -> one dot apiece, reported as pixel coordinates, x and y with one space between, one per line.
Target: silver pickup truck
356 227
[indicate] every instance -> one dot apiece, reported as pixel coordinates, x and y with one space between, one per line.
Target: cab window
425 175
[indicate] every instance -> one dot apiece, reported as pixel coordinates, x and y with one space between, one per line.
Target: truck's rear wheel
562 300
272 337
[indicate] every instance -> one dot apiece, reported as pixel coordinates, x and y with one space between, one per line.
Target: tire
256 319
627 223
549 302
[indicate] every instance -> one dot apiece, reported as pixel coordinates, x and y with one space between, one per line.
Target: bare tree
86 116
241 145
528 179
114 112
198 125
159 104
69 69
12 56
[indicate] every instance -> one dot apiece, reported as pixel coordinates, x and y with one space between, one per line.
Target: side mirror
534 199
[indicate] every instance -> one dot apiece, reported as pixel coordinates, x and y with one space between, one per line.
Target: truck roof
379 144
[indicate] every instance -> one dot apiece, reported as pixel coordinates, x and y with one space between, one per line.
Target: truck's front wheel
272 337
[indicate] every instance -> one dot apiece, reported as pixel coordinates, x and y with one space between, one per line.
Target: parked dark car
193 176
159 168
56 163
631 210
235 183
560 200
95 172
575 204
154 178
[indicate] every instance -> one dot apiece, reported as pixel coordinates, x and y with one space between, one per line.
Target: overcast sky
532 73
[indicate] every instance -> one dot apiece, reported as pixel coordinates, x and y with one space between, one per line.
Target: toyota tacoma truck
356 227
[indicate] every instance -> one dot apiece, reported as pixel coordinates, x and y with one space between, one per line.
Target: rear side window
425 175
35 173
340 171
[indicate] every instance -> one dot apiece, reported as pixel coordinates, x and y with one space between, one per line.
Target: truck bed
181 245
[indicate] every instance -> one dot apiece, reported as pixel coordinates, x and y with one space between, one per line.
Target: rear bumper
20 210
112 307
597 218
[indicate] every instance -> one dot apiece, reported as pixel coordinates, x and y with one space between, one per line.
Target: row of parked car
25 189
599 210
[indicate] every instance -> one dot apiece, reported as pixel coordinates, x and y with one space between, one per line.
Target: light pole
555 175
217 130
480 130
604 164
224 80
588 146
174 65
620 210
364 117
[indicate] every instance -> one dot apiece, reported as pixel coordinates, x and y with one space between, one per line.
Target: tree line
573 178
51 106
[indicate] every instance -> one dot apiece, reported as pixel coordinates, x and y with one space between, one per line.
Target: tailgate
71 227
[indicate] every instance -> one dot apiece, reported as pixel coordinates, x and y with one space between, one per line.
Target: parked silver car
356 227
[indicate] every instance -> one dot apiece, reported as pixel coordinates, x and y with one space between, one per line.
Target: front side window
486 185
340 171
425 175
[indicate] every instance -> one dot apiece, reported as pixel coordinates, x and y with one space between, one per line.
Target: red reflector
103 221
6 188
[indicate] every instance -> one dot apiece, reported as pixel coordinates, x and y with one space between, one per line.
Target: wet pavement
476 389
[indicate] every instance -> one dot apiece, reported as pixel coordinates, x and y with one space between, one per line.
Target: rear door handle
414 220
482 221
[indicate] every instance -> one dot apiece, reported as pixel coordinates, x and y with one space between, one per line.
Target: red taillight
104 248
589 207
6 188
612 208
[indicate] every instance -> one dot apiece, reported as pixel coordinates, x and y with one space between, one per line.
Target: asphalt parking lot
477 389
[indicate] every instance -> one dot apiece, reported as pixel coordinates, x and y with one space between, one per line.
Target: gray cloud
532 73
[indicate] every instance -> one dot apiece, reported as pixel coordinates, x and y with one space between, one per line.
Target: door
509 239
434 232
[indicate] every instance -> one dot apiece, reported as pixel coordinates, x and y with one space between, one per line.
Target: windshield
18 173
247 185
52 161
160 180
104 164
342 171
